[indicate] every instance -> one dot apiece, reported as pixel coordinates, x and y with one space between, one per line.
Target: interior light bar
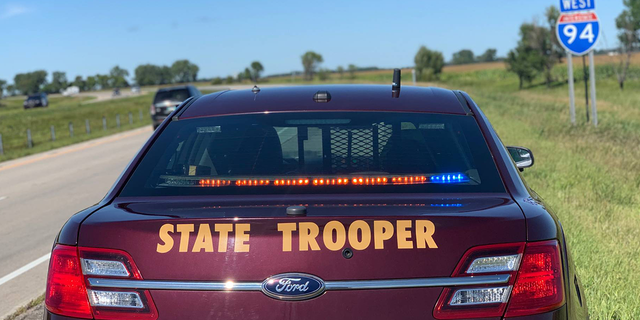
449 178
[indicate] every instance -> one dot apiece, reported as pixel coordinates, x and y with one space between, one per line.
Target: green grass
589 176
14 122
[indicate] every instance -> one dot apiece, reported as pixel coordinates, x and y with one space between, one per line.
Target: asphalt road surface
39 193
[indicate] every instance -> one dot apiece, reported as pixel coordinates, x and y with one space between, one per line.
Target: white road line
24 269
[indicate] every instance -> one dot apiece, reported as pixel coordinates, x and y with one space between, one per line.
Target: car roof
343 98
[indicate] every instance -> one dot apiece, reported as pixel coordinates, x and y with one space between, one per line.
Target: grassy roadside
14 122
589 176
23 312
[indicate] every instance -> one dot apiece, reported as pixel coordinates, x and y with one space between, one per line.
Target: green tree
11 90
91 83
352 71
525 62
229 79
148 74
429 64
628 24
217 81
488 56
340 71
310 62
256 69
80 83
463 57
31 82
538 38
184 71
552 14
58 82
103 81
247 74
3 84
542 39
117 77
166 76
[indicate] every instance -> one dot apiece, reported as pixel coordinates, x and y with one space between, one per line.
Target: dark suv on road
36 100
167 99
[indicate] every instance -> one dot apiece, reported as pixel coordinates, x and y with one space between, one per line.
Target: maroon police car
318 202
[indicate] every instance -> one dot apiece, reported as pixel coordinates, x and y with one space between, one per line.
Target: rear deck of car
343 98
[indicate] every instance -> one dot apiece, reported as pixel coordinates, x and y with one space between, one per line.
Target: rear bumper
345 312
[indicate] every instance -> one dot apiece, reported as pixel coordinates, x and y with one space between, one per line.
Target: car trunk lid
263 241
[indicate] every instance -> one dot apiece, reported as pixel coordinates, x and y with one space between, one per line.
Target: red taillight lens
539 286
535 285
69 293
66 292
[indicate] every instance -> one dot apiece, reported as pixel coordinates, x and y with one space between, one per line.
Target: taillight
78 299
66 291
535 285
152 110
539 286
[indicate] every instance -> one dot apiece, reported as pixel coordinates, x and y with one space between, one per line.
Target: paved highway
39 193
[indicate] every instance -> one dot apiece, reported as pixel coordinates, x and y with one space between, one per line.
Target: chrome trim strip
329 285
416 283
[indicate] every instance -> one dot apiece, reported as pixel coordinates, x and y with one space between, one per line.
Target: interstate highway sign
578 32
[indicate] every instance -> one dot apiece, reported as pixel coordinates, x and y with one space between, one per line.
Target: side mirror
523 157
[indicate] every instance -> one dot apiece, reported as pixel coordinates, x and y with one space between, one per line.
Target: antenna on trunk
395 85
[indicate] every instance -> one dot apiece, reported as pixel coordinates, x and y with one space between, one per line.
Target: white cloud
12 10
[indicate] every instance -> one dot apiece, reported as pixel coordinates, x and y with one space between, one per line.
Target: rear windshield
172 95
349 152
34 97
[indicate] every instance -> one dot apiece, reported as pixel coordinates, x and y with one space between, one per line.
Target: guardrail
32 142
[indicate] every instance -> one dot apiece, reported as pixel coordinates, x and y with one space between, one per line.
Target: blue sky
223 37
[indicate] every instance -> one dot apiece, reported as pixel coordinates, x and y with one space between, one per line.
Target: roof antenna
395 85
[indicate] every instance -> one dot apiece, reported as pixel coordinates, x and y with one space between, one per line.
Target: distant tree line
180 71
466 56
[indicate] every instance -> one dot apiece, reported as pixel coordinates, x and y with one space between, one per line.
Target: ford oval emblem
293 286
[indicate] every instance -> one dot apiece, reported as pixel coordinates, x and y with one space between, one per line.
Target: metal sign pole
592 79
586 86
572 102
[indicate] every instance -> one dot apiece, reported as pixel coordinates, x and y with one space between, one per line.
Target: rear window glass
348 152
172 95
